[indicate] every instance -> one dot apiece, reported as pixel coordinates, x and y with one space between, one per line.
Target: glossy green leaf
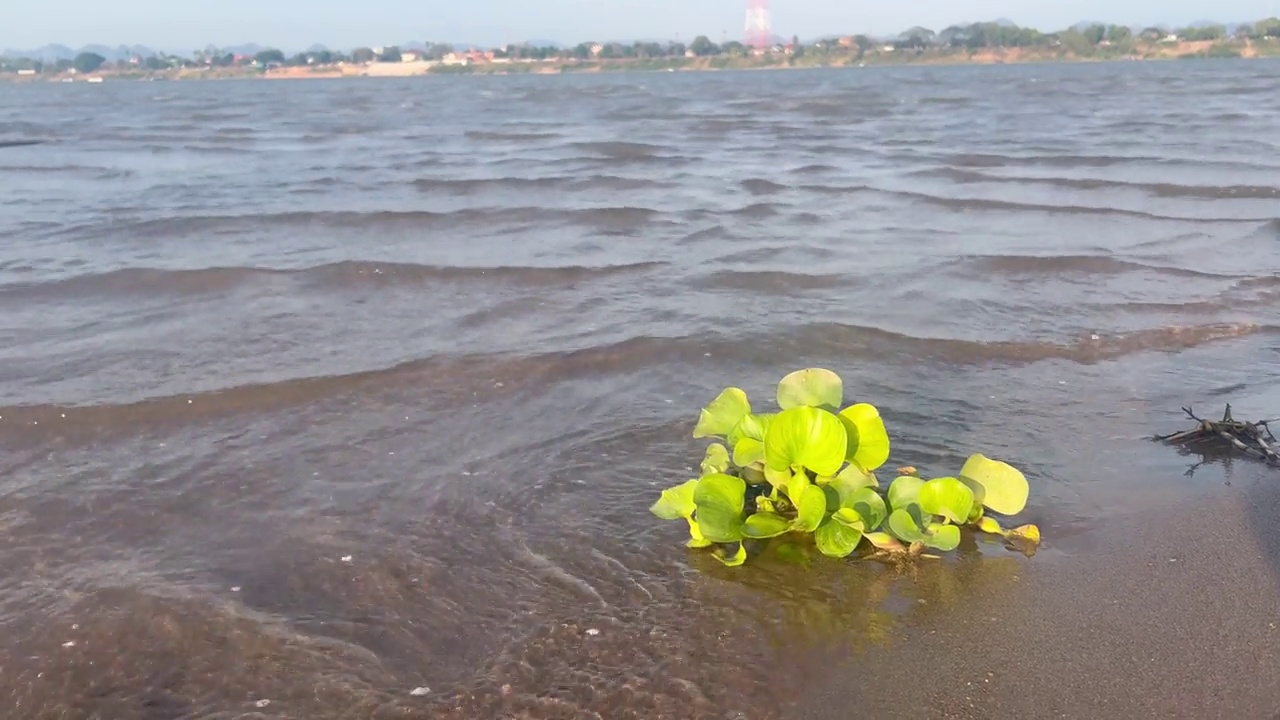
989 525
976 514
868 439
904 490
849 518
997 485
676 502
835 539
779 477
811 507
720 499
751 426
806 437
747 452
795 487
869 506
753 473
814 387
723 414
731 558
943 537
947 497
765 525
885 541
716 459
905 524
696 539
849 480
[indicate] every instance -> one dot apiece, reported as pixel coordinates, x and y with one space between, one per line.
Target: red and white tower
759 34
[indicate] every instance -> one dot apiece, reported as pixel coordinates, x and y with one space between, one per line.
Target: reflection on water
308 403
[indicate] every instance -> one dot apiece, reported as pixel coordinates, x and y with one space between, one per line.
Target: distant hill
54 53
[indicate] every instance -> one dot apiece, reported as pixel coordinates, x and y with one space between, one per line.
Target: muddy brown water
315 394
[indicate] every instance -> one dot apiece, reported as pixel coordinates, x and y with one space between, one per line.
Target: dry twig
1253 439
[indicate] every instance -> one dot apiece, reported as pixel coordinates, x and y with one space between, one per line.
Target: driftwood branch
1251 438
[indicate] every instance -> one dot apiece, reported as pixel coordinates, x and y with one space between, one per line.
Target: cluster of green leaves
810 468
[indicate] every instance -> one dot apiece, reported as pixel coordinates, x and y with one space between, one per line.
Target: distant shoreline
881 57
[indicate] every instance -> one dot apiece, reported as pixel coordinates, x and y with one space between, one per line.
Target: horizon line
545 42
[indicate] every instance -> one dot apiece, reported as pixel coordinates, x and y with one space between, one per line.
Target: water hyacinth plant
810 469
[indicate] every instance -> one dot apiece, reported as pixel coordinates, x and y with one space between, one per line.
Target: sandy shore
1173 613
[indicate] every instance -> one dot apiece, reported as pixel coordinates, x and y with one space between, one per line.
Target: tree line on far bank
1080 40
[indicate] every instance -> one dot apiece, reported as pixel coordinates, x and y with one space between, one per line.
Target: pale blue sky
294 24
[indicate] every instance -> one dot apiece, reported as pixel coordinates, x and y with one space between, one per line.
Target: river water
314 394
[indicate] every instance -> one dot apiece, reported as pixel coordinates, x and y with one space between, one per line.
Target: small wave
1062 264
815 169
331 276
468 186
992 160
760 186
1168 190
618 150
757 211
771 282
184 226
715 232
471 186
1089 349
987 204
1269 230
498 136
456 379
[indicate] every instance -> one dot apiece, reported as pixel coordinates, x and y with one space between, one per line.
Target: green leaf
720 417
720 500
814 387
748 451
696 540
998 485
976 514
850 479
849 518
906 525
806 437
716 460
731 559
795 488
885 541
765 525
868 439
947 497
943 537
989 525
751 426
811 508
869 506
753 473
676 502
835 539
779 477
905 490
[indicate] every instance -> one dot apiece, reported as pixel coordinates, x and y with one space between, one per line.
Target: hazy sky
294 24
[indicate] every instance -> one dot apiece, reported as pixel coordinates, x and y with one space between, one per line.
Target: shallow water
320 392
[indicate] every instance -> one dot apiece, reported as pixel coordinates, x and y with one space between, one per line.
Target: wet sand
1172 613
